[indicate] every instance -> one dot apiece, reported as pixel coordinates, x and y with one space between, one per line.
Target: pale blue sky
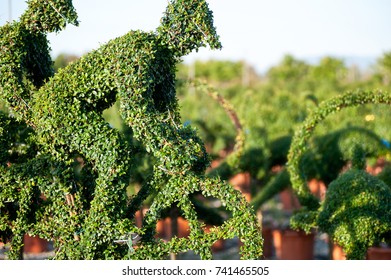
258 31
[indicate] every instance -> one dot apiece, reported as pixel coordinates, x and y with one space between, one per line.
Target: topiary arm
25 61
272 188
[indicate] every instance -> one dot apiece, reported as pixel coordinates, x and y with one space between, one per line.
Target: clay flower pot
289 200
293 245
373 253
337 252
35 244
379 253
242 183
317 188
268 245
164 228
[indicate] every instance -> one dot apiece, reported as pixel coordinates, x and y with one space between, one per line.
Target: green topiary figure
65 110
356 211
25 62
25 65
299 144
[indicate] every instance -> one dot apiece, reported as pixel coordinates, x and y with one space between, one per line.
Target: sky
260 32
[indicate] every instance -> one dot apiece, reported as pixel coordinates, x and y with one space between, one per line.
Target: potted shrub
292 244
380 249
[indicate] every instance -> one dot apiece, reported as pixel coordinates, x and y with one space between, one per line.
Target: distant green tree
385 67
289 74
63 60
221 71
328 74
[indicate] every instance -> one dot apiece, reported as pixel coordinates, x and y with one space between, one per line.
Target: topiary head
187 25
49 15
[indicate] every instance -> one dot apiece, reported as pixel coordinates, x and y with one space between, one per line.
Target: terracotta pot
164 228
289 200
218 246
35 244
160 229
242 183
293 245
379 253
373 253
268 247
215 163
139 216
337 252
377 168
317 188
183 227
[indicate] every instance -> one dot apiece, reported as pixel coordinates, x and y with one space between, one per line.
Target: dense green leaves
188 25
69 183
356 211
304 133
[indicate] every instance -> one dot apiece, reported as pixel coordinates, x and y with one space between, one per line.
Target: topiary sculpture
356 211
82 206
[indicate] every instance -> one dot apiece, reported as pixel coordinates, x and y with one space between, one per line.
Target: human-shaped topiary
138 69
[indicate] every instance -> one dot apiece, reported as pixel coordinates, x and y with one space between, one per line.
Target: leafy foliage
71 186
356 211
330 153
274 106
303 134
